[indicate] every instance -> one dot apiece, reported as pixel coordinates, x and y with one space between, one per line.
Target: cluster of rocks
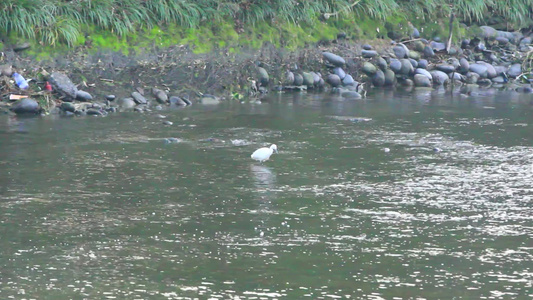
342 83
138 102
493 58
73 101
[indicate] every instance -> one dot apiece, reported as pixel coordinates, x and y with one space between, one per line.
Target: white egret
263 154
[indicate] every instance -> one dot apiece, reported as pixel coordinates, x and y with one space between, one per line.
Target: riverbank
346 65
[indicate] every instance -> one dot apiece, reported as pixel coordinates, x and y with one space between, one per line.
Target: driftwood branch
449 44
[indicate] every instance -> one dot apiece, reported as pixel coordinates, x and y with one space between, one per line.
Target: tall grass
63 21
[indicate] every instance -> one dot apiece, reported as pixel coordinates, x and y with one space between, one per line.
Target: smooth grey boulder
437 46
395 66
439 77
83 96
298 79
390 77
68 107
464 65
63 85
407 67
316 78
95 112
369 68
491 72
488 32
175 100
515 70
499 79
502 40
446 68
424 72
414 55
399 51
415 34
457 77
309 80
419 46
428 52
334 59
369 53
263 76
422 63
501 69
289 78
348 80
421 80
414 63
351 95
25 106
379 78
381 63
208 99
127 103
333 80
138 98
339 72
472 77
480 69
160 96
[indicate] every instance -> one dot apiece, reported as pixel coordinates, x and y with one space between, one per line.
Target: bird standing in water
263 154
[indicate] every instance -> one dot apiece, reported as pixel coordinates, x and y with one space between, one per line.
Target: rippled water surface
106 208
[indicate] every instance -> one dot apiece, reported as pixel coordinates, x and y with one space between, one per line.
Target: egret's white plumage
263 154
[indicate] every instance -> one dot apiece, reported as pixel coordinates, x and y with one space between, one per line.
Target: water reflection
263 176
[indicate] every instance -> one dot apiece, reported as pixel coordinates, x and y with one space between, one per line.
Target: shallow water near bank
111 207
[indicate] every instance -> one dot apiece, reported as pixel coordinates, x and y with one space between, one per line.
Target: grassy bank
289 23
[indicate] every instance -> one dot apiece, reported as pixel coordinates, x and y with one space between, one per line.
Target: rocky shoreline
109 82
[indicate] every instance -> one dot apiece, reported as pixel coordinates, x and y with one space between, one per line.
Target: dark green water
102 208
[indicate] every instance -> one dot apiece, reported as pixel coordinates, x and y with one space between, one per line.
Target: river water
405 195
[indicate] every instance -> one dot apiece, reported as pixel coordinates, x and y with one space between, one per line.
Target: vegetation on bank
116 22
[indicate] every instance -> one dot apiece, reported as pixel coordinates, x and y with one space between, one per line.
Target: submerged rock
351 95
26 106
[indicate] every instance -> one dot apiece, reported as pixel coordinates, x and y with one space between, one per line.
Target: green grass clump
54 22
